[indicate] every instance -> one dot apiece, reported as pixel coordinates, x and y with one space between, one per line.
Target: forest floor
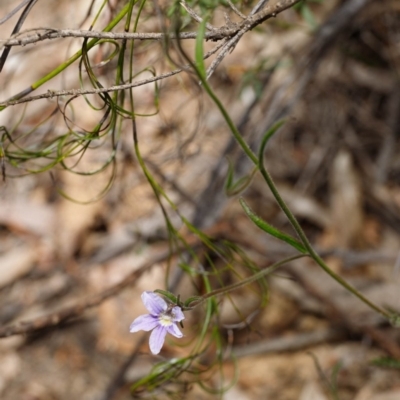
71 274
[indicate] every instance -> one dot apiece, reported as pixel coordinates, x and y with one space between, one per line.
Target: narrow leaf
271 230
270 132
199 50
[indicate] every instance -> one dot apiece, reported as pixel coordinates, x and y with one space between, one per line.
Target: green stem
244 282
299 230
259 162
230 123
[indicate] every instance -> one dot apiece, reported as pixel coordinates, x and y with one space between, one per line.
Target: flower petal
143 323
154 303
157 338
174 330
177 314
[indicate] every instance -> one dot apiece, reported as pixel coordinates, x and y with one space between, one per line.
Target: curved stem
244 282
259 162
299 230
292 219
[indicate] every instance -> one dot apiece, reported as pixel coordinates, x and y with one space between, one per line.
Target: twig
228 47
16 29
14 11
80 92
214 35
195 16
51 34
221 33
67 313
231 44
235 10
259 6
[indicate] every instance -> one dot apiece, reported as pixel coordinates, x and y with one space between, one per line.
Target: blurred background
82 233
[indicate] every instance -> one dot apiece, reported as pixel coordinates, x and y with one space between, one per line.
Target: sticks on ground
79 308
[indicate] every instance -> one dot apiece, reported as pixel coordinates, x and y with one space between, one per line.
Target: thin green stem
259 162
299 230
253 278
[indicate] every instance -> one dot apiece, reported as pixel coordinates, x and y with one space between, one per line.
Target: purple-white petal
177 314
154 303
144 323
174 330
157 338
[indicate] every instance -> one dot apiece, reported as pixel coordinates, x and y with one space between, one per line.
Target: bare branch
235 10
258 6
80 92
16 29
231 44
215 34
195 16
14 11
51 34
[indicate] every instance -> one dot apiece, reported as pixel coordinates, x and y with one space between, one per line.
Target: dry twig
79 92
78 309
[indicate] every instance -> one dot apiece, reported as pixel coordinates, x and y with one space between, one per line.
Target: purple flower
162 319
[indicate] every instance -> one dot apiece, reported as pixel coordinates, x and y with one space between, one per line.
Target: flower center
165 319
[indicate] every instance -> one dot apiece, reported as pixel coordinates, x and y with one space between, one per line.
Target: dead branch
214 34
18 99
81 92
230 44
16 29
195 16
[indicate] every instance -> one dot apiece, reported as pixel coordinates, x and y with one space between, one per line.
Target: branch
14 11
230 44
51 33
16 29
80 92
79 308
193 14
214 35
222 33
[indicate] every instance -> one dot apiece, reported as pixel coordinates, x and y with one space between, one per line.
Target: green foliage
206 264
199 55
394 318
233 188
266 227
386 362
